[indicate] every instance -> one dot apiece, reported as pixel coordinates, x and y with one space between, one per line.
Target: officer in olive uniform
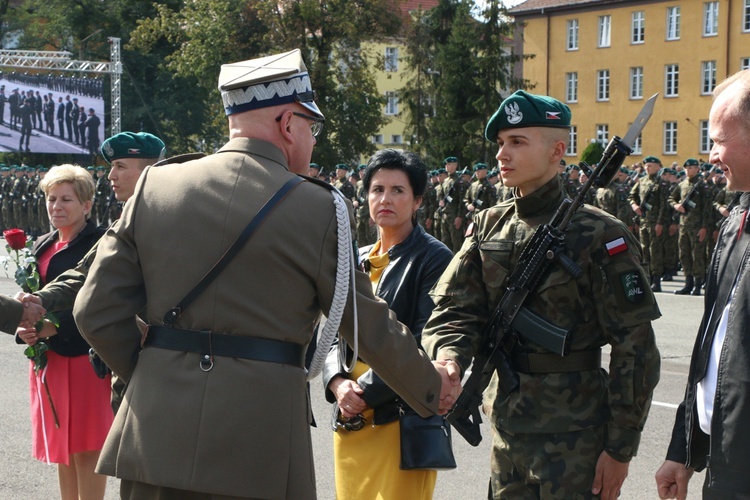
6 184
481 195
18 195
450 206
101 196
690 199
570 430
648 202
427 209
437 219
670 237
32 197
342 183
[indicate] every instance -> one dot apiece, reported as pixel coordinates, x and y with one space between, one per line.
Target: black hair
396 159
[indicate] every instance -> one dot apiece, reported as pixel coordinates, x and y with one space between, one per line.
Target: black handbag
425 442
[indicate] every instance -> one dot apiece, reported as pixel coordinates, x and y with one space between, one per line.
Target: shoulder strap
174 313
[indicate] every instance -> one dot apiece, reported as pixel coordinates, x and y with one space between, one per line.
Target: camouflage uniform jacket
346 189
650 186
610 304
452 196
701 216
481 194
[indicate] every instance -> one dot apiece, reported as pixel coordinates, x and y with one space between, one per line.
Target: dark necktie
732 254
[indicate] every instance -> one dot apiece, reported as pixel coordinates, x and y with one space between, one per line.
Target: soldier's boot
689 282
667 276
697 288
655 283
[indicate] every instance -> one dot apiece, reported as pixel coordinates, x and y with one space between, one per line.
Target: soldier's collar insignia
632 286
616 246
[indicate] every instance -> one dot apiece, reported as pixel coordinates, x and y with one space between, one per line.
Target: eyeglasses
316 127
351 424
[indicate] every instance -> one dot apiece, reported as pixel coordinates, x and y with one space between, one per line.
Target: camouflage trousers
671 250
544 466
692 252
653 248
366 234
452 237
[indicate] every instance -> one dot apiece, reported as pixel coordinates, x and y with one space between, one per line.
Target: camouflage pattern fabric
652 245
481 194
451 208
692 250
544 466
610 304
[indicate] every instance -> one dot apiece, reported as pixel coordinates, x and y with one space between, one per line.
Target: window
377 139
670 138
391 106
745 63
391 59
602 134
673 23
396 139
572 141
708 77
602 85
636 82
746 16
571 87
638 145
572 43
605 30
705 145
672 80
638 29
710 18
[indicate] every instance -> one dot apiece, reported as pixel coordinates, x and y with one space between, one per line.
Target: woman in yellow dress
403 265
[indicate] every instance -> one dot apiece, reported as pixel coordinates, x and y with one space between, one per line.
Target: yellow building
604 58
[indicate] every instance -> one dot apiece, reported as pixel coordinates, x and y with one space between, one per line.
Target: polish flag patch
616 246
553 115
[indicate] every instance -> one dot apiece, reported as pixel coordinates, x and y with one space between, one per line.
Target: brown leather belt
210 344
579 361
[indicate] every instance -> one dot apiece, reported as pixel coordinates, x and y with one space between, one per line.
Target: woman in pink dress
73 434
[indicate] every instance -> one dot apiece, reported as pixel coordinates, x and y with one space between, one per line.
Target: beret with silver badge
132 145
522 109
267 81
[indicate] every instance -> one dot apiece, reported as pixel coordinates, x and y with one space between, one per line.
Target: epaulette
319 182
179 159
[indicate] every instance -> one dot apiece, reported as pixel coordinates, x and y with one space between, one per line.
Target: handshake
450 373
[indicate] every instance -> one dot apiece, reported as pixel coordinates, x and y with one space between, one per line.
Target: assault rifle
510 320
448 198
688 203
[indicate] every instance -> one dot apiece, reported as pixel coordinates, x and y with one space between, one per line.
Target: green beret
718 170
4 169
492 173
450 159
465 171
573 166
100 168
669 170
90 168
652 159
361 166
315 165
480 166
691 162
522 109
132 145
442 171
342 166
624 170
706 167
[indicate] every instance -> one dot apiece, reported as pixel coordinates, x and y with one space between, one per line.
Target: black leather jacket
727 451
414 267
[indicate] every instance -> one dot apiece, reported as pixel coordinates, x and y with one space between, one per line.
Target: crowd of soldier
24 204
675 211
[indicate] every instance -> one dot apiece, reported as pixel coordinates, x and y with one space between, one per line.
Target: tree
593 153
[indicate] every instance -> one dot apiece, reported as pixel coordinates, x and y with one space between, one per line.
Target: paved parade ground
22 477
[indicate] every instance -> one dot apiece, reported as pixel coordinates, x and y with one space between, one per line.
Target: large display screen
51 113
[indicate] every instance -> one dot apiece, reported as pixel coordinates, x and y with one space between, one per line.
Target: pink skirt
82 404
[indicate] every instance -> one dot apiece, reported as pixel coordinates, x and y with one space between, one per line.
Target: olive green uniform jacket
242 428
610 304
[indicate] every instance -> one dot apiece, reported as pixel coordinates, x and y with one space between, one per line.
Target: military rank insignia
616 246
632 286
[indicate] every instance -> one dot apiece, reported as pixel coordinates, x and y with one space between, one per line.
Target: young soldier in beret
216 404
571 428
450 205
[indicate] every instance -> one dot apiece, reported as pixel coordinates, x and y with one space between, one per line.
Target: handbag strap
174 313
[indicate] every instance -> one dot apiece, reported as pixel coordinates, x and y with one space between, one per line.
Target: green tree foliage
461 66
593 153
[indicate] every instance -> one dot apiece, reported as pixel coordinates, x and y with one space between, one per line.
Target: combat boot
685 290
697 288
656 283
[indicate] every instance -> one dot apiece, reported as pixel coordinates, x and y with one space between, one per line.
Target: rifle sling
579 361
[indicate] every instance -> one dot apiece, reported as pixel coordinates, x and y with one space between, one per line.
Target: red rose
15 238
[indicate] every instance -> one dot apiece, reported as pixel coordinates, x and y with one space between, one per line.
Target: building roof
412 5
539 6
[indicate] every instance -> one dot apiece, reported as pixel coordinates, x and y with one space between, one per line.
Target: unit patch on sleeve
632 286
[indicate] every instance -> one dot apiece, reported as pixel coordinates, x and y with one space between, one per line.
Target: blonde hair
82 181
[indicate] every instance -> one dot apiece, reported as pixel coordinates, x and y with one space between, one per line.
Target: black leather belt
579 361
210 344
